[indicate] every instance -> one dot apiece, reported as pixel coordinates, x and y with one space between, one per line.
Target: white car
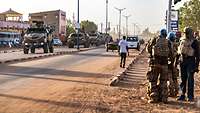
133 42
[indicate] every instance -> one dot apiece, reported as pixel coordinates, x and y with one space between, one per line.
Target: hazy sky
147 13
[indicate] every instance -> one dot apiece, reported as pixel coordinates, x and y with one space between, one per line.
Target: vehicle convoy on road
94 39
133 42
83 40
38 37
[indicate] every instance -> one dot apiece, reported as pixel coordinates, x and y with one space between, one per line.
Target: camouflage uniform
173 72
158 68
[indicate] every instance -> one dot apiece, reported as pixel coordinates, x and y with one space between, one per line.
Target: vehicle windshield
36 30
132 39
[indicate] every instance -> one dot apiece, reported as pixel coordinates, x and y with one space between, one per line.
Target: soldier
173 72
189 62
159 51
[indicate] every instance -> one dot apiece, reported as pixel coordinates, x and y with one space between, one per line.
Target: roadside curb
116 79
46 55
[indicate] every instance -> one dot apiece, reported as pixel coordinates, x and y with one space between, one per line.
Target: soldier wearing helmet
172 66
189 62
157 76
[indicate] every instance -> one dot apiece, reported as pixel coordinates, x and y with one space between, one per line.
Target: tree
88 26
190 15
69 28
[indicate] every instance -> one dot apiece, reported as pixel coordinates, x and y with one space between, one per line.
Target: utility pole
169 16
101 27
120 14
106 16
127 16
78 28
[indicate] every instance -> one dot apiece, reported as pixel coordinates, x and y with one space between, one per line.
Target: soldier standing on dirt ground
189 62
173 72
123 45
159 51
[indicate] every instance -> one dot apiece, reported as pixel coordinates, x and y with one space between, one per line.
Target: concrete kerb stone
43 56
116 79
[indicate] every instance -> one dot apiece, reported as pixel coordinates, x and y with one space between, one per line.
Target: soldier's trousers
173 82
158 77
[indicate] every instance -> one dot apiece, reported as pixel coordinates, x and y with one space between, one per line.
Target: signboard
77 26
174 20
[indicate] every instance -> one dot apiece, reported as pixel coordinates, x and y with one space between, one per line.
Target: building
12 21
56 18
11 15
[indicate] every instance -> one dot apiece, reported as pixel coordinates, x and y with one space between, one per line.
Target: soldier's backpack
161 48
185 47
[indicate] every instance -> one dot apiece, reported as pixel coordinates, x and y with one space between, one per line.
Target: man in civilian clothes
123 45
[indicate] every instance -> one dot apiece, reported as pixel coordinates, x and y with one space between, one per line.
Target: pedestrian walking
173 71
189 62
123 46
157 76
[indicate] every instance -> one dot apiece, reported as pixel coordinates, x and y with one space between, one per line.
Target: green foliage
190 15
88 26
69 28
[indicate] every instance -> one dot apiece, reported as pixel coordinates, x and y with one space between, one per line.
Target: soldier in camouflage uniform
159 51
173 72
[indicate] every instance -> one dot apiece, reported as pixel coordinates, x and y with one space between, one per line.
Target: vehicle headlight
26 44
42 43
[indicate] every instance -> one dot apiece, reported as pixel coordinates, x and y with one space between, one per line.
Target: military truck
83 40
39 36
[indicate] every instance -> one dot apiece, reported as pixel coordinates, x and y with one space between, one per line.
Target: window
133 39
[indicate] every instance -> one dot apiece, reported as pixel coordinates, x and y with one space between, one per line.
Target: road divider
47 55
116 79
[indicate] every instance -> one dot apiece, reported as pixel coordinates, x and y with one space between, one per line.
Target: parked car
83 40
57 42
133 42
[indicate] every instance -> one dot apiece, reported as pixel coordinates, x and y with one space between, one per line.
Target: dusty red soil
91 94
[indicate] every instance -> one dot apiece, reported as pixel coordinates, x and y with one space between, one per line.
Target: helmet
163 32
188 32
171 36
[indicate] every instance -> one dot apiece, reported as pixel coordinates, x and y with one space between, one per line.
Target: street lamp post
106 16
127 16
78 25
169 16
120 13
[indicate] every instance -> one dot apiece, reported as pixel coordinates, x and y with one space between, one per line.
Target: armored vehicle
83 40
38 37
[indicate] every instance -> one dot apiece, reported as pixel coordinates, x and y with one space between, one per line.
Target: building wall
53 18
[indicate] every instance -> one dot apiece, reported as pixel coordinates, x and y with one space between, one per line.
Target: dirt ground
91 94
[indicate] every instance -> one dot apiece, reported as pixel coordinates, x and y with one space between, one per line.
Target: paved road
39 52
40 84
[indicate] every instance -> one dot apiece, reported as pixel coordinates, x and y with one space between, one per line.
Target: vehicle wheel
71 45
138 48
26 50
32 50
51 49
45 48
106 49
